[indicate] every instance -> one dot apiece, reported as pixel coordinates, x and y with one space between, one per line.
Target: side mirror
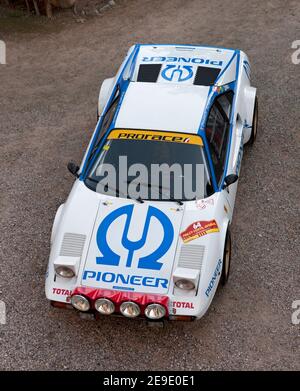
229 180
73 168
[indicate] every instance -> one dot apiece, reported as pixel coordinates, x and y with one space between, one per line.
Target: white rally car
157 258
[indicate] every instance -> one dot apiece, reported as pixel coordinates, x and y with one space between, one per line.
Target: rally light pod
155 311
130 309
80 302
104 306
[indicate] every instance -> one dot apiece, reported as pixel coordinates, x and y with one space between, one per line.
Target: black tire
226 259
254 123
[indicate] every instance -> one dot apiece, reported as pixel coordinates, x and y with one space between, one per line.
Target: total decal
185 60
198 229
132 250
181 305
60 291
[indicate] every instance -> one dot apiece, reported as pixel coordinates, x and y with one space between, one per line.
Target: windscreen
151 165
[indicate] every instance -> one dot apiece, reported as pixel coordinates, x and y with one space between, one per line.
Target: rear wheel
226 259
254 123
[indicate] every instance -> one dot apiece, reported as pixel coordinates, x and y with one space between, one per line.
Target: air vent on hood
148 73
191 256
206 76
72 245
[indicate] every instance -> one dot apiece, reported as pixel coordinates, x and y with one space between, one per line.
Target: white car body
171 104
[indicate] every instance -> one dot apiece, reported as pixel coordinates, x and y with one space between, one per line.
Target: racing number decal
198 229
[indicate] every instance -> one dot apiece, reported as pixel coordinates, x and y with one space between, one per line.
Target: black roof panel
206 76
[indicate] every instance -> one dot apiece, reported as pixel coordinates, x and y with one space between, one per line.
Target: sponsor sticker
123 280
220 89
148 135
202 204
193 60
59 291
182 304
198 229
177 73
213 280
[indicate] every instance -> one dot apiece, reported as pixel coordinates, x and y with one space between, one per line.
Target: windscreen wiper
116 190
160 190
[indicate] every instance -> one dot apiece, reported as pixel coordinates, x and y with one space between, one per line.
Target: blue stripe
123 85
232 122
225 69
210 163
207 108
136 52
210 99
211 94
201 131
123 288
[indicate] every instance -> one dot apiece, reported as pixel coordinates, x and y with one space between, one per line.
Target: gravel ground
48 101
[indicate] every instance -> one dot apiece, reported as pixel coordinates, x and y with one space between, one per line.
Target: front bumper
118 297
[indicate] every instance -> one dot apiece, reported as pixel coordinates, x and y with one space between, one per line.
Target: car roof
180 64
170 86
162 107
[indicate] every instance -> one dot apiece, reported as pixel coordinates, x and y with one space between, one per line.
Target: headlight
186 285
130 309
80 303
64 271
104 306
155 311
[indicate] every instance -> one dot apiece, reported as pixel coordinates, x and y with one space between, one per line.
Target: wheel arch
104 93
57 219
250 94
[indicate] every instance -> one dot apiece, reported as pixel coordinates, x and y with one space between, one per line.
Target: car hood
121 244
133 245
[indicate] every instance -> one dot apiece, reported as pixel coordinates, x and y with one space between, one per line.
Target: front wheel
226 259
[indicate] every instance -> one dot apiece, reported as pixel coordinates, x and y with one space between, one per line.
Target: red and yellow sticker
198 229
124 134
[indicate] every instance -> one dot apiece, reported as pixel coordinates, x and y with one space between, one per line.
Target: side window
225 101
217 132
106 122
109 115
